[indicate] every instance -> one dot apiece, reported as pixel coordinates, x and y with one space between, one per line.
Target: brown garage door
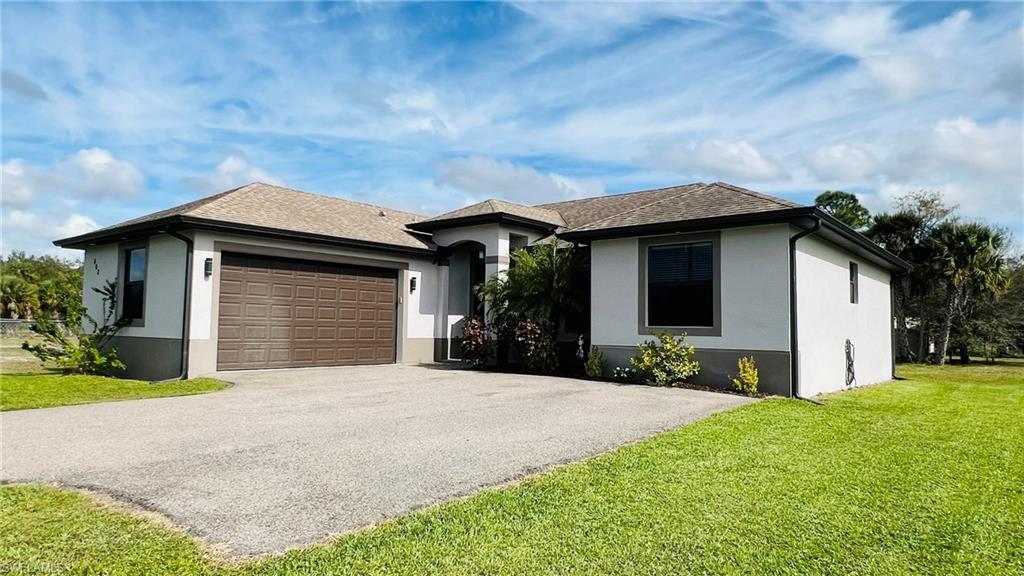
277 313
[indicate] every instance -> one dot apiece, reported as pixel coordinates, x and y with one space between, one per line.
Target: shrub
536 344
76 351
746 382
667 361
625 374
477 345
596 363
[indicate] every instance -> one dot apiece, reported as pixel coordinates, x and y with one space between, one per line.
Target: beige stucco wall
754 291
164 288
416 321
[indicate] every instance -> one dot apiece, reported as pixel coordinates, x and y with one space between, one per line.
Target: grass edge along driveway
915 476
45 390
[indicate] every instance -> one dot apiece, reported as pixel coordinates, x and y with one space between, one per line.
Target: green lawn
26 383
20 391
919 476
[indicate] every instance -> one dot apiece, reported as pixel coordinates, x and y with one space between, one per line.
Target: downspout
186 308
794 379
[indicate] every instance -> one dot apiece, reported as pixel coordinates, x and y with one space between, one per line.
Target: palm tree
542 284
17 297
901 233
968 259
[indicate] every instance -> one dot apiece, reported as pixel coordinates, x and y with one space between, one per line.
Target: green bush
666 361
747 380
596 363
477 345
536 344
77 351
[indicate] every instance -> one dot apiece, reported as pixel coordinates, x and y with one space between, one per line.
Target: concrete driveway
288 457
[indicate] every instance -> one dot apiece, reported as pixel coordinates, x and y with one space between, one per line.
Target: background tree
928 205
901 233
18 297
41 285
969 260
845 207
918 213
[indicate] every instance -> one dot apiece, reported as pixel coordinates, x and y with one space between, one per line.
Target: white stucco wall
826 318
496 241
754 291
164 288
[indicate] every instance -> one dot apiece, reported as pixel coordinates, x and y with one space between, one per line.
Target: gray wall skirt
716 365
149 358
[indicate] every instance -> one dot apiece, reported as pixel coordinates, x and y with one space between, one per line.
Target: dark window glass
854 296
134 283
680 285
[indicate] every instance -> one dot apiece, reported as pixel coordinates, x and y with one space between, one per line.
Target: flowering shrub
536 344
625 374
667 361
477 345
746 382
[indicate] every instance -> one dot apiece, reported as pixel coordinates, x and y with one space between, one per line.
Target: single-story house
264 276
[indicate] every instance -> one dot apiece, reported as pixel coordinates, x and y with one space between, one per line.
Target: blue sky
115 110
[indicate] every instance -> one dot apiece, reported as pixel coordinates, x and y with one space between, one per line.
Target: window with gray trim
681 285
854 283
133 296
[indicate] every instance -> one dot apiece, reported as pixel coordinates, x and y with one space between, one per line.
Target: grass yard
20 391
25 383
919 476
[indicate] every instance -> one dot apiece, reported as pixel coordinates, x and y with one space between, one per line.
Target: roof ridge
750 192
683 190
377 206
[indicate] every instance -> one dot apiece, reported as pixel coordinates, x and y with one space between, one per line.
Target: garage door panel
254 310
281 313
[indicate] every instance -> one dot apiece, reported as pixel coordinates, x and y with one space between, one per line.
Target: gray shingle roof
265 206
678 204
280 208
495 206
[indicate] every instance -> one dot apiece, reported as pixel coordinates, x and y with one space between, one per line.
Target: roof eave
476 219
189 222
734 220
855 239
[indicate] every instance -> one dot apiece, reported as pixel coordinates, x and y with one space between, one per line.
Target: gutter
794 359
186 307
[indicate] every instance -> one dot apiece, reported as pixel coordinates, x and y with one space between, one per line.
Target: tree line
40 286
965 293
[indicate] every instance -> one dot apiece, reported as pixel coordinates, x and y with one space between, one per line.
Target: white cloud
716 159
903 63
232 172
90 173
22 182
485 177
962 147
858 31
29 231
95 173
841 162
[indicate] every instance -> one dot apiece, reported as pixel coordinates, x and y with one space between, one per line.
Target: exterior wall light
208 267
412 284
